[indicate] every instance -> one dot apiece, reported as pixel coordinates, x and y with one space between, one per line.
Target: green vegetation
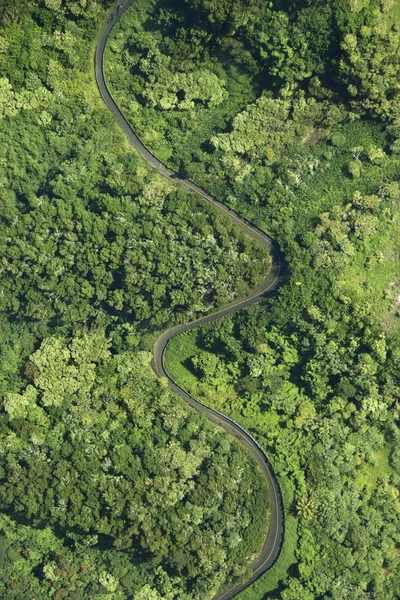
320 394
110 486
278 81
289 112
168 85
314 157
98 449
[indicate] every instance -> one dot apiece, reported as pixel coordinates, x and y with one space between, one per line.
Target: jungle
287 111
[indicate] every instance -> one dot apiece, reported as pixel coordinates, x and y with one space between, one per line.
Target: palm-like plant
305 508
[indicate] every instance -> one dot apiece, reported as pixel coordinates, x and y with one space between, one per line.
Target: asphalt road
275 278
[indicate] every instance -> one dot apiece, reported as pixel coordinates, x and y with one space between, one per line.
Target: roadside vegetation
110 486
312 155
289 112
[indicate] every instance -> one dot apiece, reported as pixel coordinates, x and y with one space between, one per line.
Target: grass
371 277
180 350
391 15
270 583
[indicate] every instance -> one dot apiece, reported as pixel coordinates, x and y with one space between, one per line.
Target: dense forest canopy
298 129
289 112
110 485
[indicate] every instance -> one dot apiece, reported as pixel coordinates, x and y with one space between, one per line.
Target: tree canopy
289 113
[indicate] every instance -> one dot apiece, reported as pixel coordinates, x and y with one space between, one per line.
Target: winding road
276 276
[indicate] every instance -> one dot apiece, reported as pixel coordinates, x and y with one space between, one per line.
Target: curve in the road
275 278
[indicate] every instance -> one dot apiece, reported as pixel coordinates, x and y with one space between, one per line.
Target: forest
288 112
110 486
298 129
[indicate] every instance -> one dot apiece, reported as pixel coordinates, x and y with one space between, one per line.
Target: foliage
312 67
320 394
288 112
313 377
98 448
110 485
